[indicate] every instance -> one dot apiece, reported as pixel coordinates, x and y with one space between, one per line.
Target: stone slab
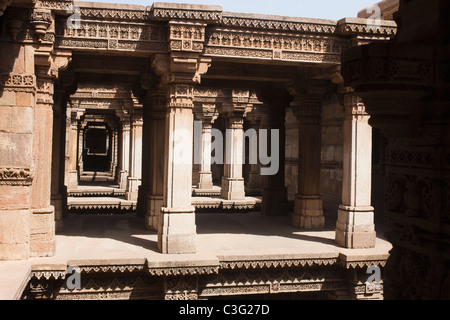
14 275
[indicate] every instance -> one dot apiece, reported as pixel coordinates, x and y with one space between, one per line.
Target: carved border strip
16 176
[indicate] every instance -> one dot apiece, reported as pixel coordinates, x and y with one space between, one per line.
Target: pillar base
57 203
14 234
177 232
233 189
355 228
154 205
308 212
275 202
42 232
123 179
72 180
205 180
132 189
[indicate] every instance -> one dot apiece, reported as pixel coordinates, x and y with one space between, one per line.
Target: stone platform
228 247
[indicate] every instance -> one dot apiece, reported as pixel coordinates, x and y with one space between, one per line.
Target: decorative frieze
112 35
168 11
271 23
18 82
274 46
15 176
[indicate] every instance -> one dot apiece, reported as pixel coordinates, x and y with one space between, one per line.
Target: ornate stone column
232 181
355 226
57 164
208 116
134 179
72 128
308 208
253 184
179 71
157 136
125 123
275 201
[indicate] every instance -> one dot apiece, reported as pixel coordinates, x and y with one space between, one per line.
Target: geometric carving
18 82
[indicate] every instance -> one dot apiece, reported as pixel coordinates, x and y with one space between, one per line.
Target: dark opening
96 148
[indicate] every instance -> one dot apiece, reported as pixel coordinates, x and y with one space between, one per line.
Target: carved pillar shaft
275 201
42 232
308 209
355 225
80 139
253 184
134 179
232 181
156 162
72 152
206 116
57 163
177 230
125 152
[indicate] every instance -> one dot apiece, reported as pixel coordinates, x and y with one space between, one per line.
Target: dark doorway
97 148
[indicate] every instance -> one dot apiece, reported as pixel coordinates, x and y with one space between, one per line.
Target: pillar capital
355 108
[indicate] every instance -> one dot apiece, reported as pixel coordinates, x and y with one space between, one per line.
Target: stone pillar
232 181
177 230
208 116
275 200
308 208
17 102
253 184
57 163
355 226
80 131
72 127
156 162
42 225
125 152
179 71
134 179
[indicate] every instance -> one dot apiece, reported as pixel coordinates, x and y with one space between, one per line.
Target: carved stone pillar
57 164
125 152
253 184
177 232
207 118
134 179
80 139
232 181
72 128
275 200
156 170
179 71
17 103
355 225
308 208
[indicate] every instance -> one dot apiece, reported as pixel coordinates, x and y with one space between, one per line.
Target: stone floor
122 239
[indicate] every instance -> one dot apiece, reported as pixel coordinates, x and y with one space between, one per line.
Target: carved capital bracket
354 108
309 97
3 5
